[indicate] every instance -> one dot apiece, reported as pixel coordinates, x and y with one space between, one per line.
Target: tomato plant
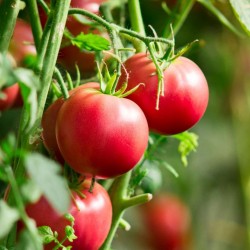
185 96
99 127
102 133
92 212
168 222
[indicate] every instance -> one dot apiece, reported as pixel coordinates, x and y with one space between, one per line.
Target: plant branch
9 13
35 21
137 22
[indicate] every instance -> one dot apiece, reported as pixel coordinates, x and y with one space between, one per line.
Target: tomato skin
11 94
22 42
93 216
49 123
185 93
101 135
168 222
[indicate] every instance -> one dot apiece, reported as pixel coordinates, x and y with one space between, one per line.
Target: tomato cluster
103 136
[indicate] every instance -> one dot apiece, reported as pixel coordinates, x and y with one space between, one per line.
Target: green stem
120 202
111 26
21 208
50 58
177 19
137 22
160 89
35 21
9 13
61 82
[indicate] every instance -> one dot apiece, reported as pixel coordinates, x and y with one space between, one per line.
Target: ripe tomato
167 222
49 123
70 55
10 95
101 135
22 42
93 216
185 93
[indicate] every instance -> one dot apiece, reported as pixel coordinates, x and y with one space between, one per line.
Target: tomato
49 123
168 223
10 95
70 55
101 135
22 42
93 216
185 93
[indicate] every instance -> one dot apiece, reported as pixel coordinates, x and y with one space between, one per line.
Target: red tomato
93 216
49 123
167 221
101 135
185 93
71 55
22 42
11 94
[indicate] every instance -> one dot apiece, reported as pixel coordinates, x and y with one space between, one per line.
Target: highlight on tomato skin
92 214
167 221
102 134
185 96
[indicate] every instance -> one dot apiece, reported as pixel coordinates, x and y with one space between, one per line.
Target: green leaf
91 42
30 192
29 243
208 4
8 216
29 84
6 71
70 233
70 218
242 12
47 234
188 143
46 174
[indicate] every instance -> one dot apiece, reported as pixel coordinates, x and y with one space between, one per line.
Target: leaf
29 84
45 173
6 71
208 4
91 42
8 216
28 242
30 192
47 234
70 218
188 143
241 10
70 233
